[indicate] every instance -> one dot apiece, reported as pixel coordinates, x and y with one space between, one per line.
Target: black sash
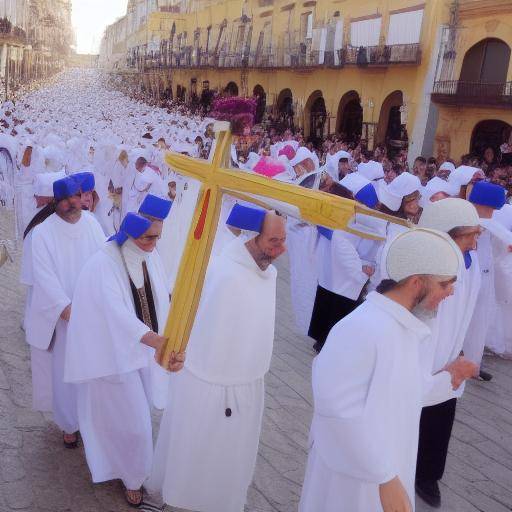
144 301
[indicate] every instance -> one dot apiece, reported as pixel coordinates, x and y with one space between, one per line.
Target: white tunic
205 458
111 344
59 252
177 226
365 424
118 373
301 239
499 338
493 235
449 329
340 267
40 360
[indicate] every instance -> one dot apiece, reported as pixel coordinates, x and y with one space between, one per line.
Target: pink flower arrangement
238 111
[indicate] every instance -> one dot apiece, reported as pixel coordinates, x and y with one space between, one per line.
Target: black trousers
328 310
435 431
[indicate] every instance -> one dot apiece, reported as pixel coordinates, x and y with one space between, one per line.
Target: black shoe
428 491
485 376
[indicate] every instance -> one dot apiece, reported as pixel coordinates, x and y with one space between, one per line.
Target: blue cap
85 180
368 196
156 207
245 217
133 225
325 232
64 188
488 194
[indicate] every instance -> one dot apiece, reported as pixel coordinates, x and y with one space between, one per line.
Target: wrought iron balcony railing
457 92
295 56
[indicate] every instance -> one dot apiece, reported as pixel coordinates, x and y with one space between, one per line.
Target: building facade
35 38
391 71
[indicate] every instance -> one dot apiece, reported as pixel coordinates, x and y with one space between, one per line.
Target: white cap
422 251
43 183
354 182
302 154
434 186
448 214
371 170
447 166
391 195
462 175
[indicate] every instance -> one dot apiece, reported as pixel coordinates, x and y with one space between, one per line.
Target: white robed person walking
124 289
364 434
40 360
459 219
61 246
208 441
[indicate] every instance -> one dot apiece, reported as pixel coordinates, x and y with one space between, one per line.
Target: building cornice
484 8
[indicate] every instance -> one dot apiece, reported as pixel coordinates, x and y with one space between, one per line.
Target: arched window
487 62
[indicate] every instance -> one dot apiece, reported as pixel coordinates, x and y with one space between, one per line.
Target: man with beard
365 426
61 245
208 441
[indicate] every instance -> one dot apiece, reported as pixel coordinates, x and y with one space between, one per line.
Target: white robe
177 226
114 367
449 328
494 234
365 424
59 252
301 239
340 267
204 458
40 360
499 338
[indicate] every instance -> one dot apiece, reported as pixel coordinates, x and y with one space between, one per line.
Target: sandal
130 501
70 444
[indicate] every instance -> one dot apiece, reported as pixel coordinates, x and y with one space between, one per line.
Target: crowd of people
400 306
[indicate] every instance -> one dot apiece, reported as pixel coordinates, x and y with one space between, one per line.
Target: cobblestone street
38 474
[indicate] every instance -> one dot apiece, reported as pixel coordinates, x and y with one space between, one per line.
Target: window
365 32
405 27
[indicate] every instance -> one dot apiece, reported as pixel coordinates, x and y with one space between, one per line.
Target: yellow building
359 68
473 88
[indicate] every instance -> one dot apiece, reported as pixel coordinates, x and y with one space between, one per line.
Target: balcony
381 55
458 93
297 56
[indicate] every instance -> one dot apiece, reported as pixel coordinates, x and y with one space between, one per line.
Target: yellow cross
315 207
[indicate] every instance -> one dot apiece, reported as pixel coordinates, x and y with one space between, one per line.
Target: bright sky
90 17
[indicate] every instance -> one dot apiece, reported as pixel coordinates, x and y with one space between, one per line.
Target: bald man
208 441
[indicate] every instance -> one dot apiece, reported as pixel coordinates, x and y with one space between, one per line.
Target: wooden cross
315 207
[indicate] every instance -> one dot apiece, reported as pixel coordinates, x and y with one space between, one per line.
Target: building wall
282 24
477 21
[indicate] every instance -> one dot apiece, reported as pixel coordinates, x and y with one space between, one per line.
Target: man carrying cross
208 441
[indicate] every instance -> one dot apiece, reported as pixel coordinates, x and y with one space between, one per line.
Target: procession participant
364 434
487 198
341 273
123 288
208 440
61 246
40 360
459 219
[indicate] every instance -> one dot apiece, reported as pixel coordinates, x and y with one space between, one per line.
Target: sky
90 18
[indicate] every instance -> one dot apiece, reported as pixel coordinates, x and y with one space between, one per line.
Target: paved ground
37 474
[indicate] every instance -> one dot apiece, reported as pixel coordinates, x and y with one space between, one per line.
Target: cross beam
217 179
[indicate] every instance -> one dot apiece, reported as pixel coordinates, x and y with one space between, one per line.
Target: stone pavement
38 474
